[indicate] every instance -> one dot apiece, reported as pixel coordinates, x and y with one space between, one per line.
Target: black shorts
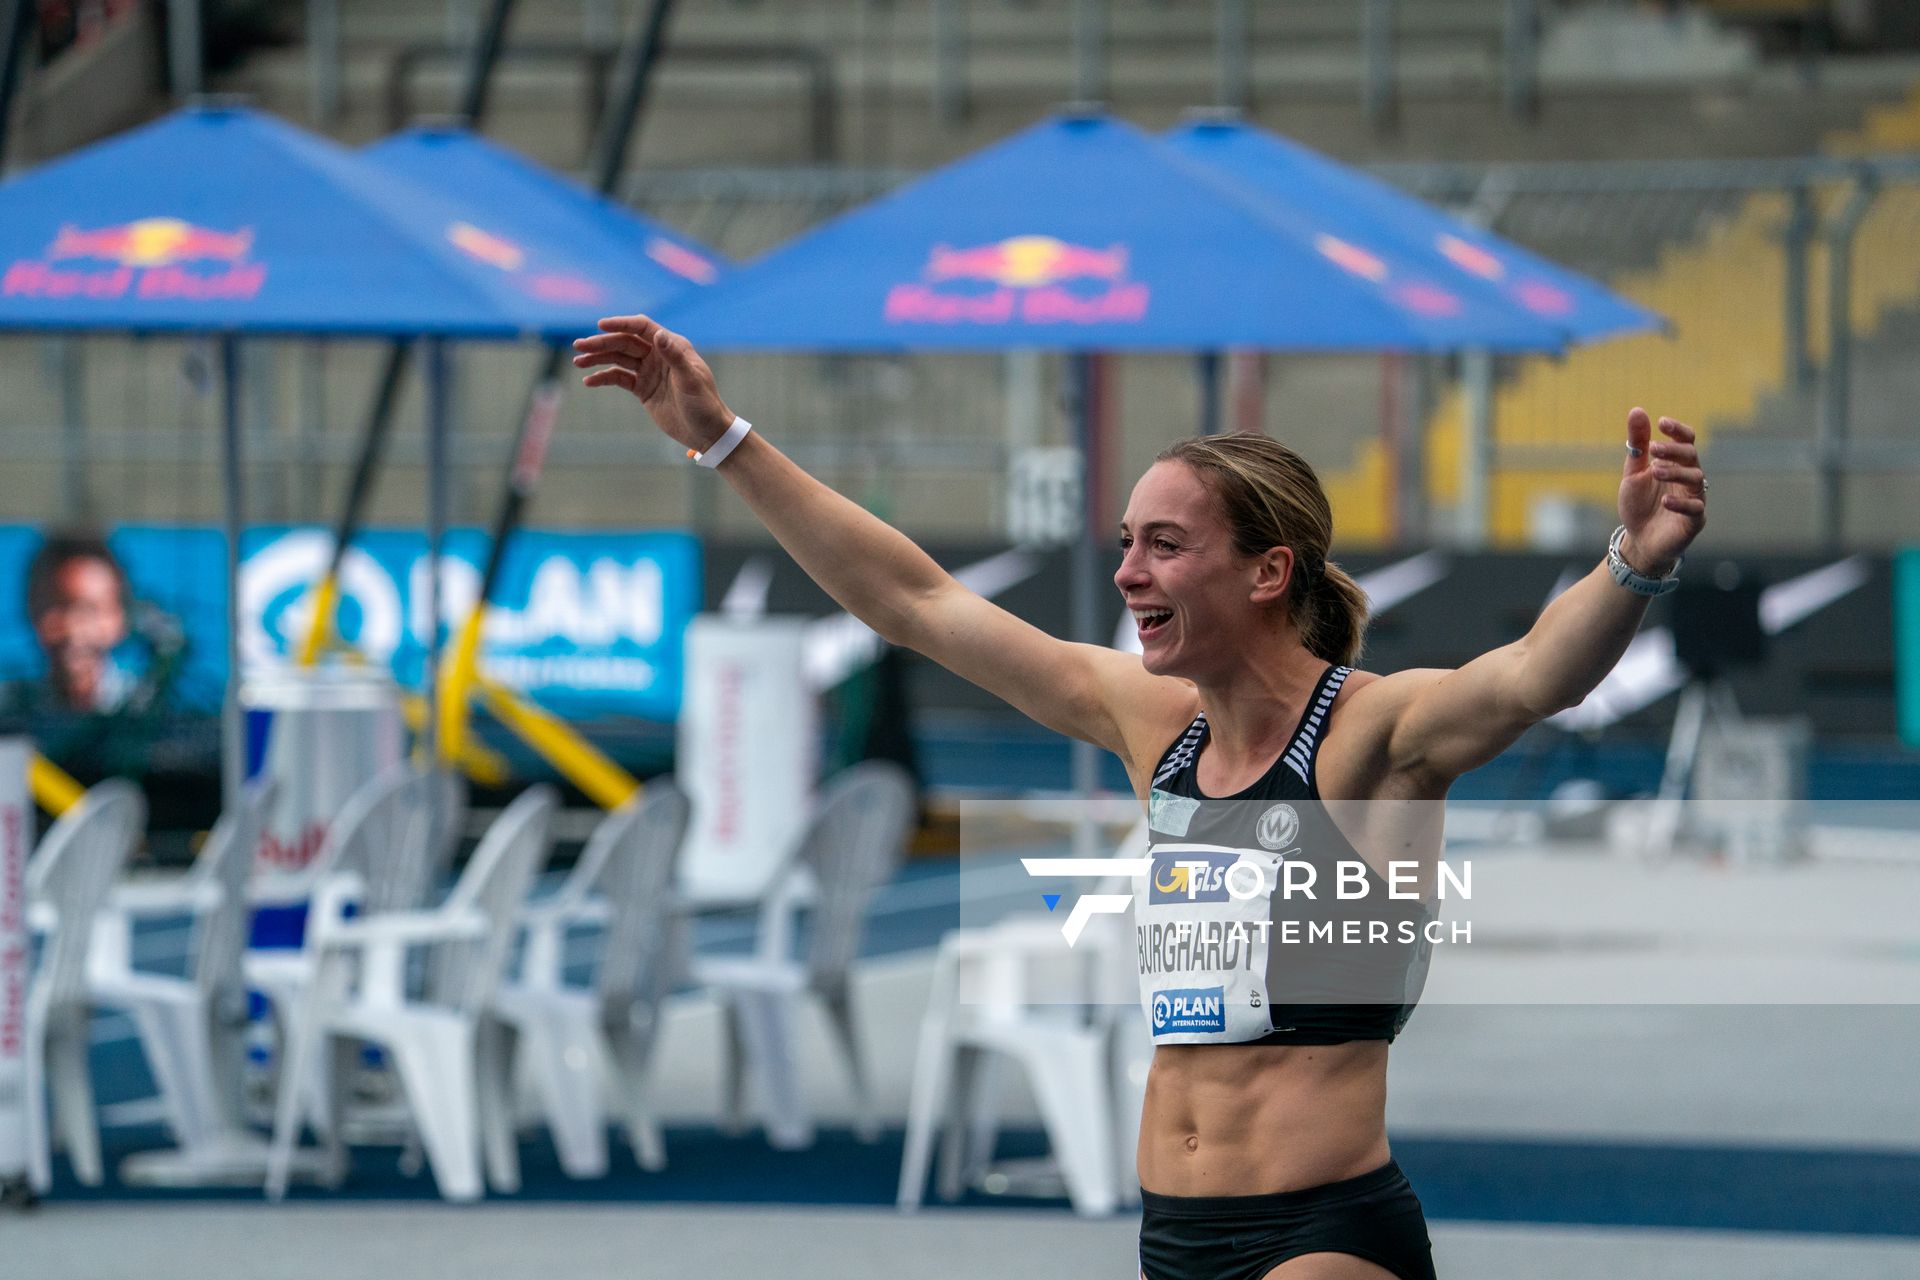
1375 1216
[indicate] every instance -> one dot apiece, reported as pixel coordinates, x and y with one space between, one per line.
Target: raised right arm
877 573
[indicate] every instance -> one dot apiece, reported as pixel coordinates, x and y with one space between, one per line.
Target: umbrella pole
1086 563
1476 458
233 762
436 533
1207 368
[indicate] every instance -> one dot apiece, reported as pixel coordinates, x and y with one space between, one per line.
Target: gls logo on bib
1182 1010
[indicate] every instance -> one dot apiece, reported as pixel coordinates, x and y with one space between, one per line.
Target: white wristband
720 449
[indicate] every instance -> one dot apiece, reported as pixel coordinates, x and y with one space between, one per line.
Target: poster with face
113 644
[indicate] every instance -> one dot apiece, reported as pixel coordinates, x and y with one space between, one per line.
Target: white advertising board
748 741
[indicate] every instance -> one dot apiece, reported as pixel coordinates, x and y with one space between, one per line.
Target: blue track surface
1601 1184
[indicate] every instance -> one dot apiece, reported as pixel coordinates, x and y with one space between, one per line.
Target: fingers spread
611 378
607 357
639 325
614 342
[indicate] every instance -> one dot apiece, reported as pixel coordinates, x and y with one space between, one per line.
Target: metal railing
1793 285
1381 34
596 61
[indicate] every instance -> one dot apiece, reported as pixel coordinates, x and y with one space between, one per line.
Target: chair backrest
391 842
72 872
226 863
363 811
634 851
852 845
449 818
462 975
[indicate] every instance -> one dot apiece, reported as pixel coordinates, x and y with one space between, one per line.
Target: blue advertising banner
587 624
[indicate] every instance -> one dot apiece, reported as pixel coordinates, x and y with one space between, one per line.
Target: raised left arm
1437 725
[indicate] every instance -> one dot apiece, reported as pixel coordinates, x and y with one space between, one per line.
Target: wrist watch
1638 583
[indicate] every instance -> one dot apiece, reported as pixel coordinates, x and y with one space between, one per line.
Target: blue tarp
1084 233
224 219
637 263
1307 187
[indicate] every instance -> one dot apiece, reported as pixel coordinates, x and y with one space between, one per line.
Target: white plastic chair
1015 994
849 849
450 1054
67 883
584 1046
193 1029
389 835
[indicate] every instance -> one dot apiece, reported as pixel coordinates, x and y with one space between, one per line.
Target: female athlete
1263 1145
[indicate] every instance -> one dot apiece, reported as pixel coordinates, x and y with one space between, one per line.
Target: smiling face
80 625
1195 598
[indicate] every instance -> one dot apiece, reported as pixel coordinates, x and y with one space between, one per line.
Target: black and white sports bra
1231 950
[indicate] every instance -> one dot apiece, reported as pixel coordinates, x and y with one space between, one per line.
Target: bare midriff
1241 1120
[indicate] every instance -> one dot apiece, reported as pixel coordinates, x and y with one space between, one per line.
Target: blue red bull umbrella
225 219
1302 184
508 202
1086 234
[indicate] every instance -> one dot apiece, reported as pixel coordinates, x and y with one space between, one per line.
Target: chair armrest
561 914
407 928
177 896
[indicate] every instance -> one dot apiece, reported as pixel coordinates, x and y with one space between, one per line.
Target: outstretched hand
1663 493
663 370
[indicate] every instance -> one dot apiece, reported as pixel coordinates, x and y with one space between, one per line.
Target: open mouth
1151 620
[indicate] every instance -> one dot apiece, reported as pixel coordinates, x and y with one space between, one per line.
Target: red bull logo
1427 299
1471 257
1351 258
1543 298
565 288
152 242
1422 297
153 258
1025 280
681 261
495 251
1027 262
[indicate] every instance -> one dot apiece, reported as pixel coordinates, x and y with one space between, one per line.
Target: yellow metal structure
53 790
579 761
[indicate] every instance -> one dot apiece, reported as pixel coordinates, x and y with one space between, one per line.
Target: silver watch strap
1638 583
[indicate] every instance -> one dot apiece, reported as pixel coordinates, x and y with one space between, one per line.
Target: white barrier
748 738
16 840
